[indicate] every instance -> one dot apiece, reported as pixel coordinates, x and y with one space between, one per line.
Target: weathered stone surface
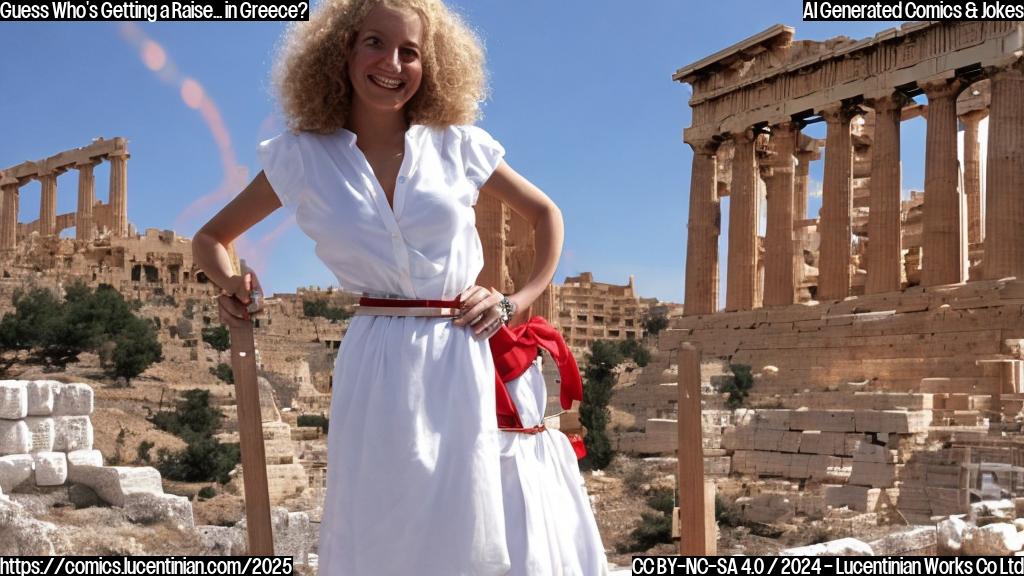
22 535
1003 509
841 547
72 433
13 399
149 508
222 540
993 540
73 400
14 470
916 540
84 458
949 536
15 437
41 430
51 468
41 396
294 535
114 483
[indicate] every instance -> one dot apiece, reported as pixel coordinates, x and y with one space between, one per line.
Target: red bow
515 349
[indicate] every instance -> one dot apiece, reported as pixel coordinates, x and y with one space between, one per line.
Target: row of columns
84 218
952 216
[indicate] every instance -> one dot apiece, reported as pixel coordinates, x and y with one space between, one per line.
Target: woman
382 169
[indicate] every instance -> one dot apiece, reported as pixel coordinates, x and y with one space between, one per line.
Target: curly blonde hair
311 69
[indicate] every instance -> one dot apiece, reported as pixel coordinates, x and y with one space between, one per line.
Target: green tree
603 357
313 308
218 337
655 323
137 348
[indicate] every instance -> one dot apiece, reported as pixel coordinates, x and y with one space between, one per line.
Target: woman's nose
391 61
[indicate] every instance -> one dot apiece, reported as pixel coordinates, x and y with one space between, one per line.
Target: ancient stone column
48 204
702 232
778 174
84 223
972 176
944 250
490 225
800 191
9 216
885 250
742 262
1004 182
119 190
836 204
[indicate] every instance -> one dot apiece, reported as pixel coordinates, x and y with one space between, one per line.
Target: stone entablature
91 216
753 99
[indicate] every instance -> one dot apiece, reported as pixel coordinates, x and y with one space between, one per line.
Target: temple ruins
91 217
884 335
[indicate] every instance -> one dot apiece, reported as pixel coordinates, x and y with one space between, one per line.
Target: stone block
15 470
15 437
150 508
73 400
41 431
873 474
84 458
72 433
41 395
773 419
13 399
841 547
949 536
51 468
823 420
920 540
857 498
874 453
790 441
993 540
114 483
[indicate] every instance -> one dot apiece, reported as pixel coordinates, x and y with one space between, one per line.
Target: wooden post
250 436
697 530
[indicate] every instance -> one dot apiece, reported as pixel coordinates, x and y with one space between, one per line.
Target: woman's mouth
386 83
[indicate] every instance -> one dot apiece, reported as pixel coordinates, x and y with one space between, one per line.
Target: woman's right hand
235 297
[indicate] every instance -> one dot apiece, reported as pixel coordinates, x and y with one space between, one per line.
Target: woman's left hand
480 311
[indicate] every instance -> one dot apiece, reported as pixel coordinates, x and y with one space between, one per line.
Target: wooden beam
697 530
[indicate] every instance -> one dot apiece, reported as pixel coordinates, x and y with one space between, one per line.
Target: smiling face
385 66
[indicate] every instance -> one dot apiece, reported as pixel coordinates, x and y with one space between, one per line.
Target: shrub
207 492
739 387
314 420
143 450
218 337
656 323
224 372
205 458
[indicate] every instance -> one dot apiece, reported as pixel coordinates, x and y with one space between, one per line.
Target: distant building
590 311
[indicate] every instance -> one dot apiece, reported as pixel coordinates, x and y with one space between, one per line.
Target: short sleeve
281 160
481 154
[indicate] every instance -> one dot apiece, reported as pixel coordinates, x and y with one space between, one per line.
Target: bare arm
531 203
209 246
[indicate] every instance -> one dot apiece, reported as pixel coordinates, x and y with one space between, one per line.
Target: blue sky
582 99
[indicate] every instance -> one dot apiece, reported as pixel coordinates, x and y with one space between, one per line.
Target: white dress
414 477
548 519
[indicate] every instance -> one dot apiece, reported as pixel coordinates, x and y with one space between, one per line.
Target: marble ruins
884 335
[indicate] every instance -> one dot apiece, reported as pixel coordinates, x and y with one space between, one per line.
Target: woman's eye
372 41
408 54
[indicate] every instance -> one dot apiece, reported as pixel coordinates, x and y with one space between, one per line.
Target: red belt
403 307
